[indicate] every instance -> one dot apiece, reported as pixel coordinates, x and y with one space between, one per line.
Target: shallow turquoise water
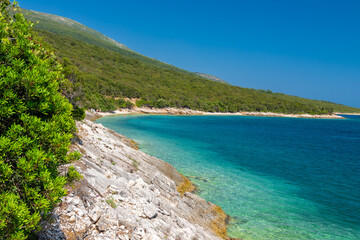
279 178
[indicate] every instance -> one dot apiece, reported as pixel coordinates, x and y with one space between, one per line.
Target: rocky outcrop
210 77
127 194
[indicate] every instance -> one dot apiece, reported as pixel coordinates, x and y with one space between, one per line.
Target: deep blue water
279 178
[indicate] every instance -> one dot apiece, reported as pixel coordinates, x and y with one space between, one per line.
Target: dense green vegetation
105 75
36 126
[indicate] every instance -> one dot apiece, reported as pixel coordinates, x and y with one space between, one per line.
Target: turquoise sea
279 178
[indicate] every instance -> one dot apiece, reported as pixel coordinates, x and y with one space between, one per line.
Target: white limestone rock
115 200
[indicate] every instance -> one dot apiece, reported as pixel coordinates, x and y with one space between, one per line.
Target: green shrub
73 175
111 202
122 103
36 126
143 103
161 103
78 113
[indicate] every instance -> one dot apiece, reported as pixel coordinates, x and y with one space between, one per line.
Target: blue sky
306 48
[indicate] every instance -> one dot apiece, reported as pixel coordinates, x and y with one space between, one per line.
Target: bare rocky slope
127 194
210 77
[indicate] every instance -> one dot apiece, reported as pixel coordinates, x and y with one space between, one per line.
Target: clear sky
307 48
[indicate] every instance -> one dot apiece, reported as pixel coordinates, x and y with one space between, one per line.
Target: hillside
68 27
107 70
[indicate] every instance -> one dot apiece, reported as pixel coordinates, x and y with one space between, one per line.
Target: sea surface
278 178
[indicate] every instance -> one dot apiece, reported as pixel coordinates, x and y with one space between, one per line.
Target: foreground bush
36 126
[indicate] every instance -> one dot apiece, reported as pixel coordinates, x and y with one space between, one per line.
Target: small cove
280 178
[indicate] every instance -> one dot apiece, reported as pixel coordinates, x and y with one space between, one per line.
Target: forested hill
106 74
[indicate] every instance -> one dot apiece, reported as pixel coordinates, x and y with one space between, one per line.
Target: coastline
185 111
128 194
158 147
351 114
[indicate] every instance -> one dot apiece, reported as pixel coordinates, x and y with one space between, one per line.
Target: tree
161 103
35 128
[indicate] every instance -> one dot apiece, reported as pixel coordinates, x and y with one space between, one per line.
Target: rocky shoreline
127 194
186 111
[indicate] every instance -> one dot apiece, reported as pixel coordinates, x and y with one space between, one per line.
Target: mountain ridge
72 23
77 30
